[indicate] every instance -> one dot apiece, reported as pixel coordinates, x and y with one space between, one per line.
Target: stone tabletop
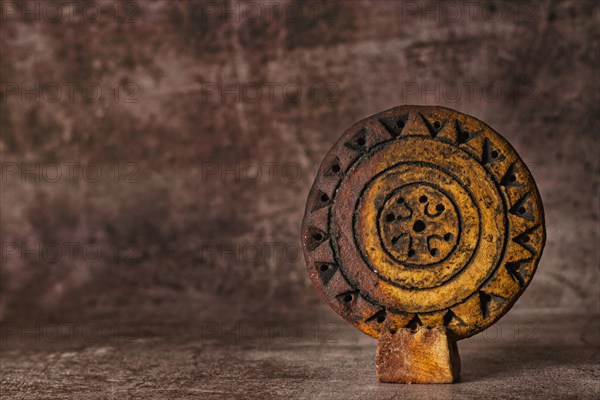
529 354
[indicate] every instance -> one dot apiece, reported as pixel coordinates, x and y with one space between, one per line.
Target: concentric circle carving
422 216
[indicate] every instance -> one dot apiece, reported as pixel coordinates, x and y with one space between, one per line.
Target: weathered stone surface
422 356
422 216
529 354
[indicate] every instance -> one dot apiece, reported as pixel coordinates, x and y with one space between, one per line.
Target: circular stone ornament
422 216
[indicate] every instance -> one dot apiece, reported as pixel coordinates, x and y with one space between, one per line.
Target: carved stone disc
422 216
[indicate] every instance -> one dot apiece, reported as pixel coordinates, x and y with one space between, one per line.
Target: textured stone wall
156 155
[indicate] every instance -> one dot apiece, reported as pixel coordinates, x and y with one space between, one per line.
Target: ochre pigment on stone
422 217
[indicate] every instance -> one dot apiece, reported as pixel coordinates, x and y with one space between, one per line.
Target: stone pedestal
421 356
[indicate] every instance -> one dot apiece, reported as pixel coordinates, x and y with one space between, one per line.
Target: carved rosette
422 216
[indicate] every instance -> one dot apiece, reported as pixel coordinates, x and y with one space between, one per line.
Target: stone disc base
422 356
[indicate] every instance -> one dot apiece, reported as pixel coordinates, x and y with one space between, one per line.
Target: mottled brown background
185 238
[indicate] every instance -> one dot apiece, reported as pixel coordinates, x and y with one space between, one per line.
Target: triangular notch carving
315 237
394 124
358 141
434 127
